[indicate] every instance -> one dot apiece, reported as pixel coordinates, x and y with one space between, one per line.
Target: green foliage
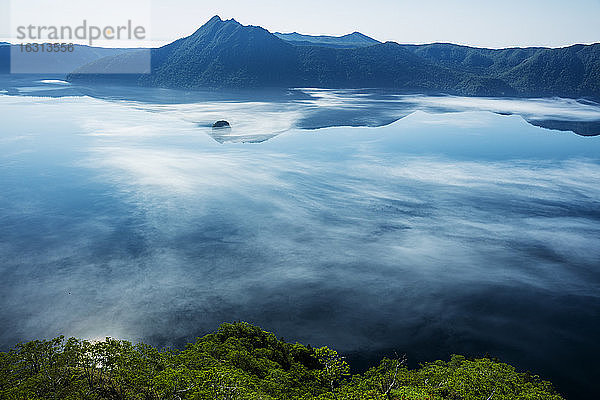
241 361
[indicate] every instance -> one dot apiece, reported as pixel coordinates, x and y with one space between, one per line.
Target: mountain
572 71
4 58
51 62
350 41
225 53
472 59
228 54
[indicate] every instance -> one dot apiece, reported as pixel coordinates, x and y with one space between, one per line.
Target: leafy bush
241 361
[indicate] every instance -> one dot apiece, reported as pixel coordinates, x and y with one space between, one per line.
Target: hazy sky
474 22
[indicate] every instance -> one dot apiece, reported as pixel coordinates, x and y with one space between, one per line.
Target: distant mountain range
230 55
350 41
4 58
51 62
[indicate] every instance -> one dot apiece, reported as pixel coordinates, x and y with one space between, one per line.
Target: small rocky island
221 124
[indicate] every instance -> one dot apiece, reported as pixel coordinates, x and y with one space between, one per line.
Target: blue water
434 225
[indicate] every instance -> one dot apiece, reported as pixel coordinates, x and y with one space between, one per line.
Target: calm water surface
370 222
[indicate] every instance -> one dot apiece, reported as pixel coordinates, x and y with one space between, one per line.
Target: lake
369 221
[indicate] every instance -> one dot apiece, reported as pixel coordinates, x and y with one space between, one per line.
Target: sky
552 23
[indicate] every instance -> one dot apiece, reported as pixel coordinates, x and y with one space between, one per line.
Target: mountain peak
213 26
217 20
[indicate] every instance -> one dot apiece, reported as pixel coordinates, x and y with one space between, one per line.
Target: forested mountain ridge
228 54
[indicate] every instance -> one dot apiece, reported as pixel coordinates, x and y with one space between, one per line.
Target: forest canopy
241 361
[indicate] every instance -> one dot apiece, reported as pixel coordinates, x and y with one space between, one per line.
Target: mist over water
452 230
